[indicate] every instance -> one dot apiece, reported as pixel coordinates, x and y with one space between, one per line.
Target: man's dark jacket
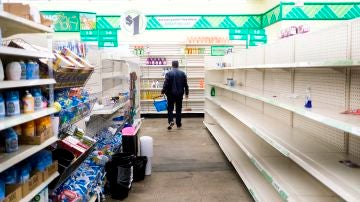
175 84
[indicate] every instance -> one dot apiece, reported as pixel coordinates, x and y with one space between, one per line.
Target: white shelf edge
165 112
24 152
332 122
285 195
292 153
108 111
159 89
114 75
38 189
184 100
138 127
11 121
26 83
241 166
189 77
336 64
17 21
181 66
4 50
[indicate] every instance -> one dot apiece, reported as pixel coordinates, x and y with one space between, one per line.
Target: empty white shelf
25 83
319 159
290 181
322 113
12 24
326 64
11 121
114 75
184 100
257 185
159 89
4 50
162 77
109 110
165 112
8 160
38 189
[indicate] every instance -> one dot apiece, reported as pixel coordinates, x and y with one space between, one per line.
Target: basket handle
159 96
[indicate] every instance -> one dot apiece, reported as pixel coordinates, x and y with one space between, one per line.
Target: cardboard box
35 180
13 193
45 21
53 168
36 140
18 9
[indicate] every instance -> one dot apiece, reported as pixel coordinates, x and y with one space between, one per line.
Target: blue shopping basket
160 105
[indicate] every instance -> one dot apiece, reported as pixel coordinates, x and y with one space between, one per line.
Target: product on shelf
212 91
156 61
32 70
202 83
28 103
78 48
10 140
12 103
35 132
207 40
139 50
13 71
194 51
2 106
294 30
308 101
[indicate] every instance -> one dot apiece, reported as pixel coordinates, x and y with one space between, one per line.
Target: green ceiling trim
321 11
108 22
272 16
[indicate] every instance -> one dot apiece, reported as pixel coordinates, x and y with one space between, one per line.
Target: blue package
2 189
36 92
11 140
2 106
10 176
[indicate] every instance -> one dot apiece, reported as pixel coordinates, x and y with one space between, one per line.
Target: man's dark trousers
171 102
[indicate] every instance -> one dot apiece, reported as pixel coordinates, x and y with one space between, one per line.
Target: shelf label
220 50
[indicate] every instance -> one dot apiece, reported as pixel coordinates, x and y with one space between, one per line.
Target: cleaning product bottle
41 126
23 70
13 71
18 130
212 92
29 102
1 71
308 101
30 70
28 129
157 85
12 103
11 140
153 85
2 106
38 104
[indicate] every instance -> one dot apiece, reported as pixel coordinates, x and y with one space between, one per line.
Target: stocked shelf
10 51
319 159
7 160
257 185
109 110
8 122
71 168
290 181
336 64
321 113
25 83
12 24
38 189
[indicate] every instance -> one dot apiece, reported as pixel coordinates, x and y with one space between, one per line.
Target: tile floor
188 166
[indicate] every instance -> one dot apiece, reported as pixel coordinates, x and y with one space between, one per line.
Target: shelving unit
309 154
109 110
191 64
10 159
38 189
16 25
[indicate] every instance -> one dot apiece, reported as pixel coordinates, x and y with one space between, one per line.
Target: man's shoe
171 125
179 126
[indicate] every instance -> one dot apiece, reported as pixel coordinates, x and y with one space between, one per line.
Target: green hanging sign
108 38
219 50
63 21
89 35
238 37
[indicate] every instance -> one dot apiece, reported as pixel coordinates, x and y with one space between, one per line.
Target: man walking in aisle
175 85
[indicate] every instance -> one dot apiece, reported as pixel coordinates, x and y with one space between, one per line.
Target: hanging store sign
63 21
171 22
220 50
133 22
108 38
89 35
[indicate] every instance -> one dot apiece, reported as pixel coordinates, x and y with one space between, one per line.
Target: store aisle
188 166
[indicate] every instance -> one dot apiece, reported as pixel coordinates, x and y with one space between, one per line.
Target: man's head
175 64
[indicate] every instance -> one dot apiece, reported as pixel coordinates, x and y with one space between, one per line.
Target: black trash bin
139 168
119 172
130 144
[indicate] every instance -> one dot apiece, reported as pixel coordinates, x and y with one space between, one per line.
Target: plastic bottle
157 85
41 126
30 70
23 70
2 106
38 104
13 71
29 102
12 103
2 76
308 101
164 61
28 129
212 92
153 84
18 130
11 140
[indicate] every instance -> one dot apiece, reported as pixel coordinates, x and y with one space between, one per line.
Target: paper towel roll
146 146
